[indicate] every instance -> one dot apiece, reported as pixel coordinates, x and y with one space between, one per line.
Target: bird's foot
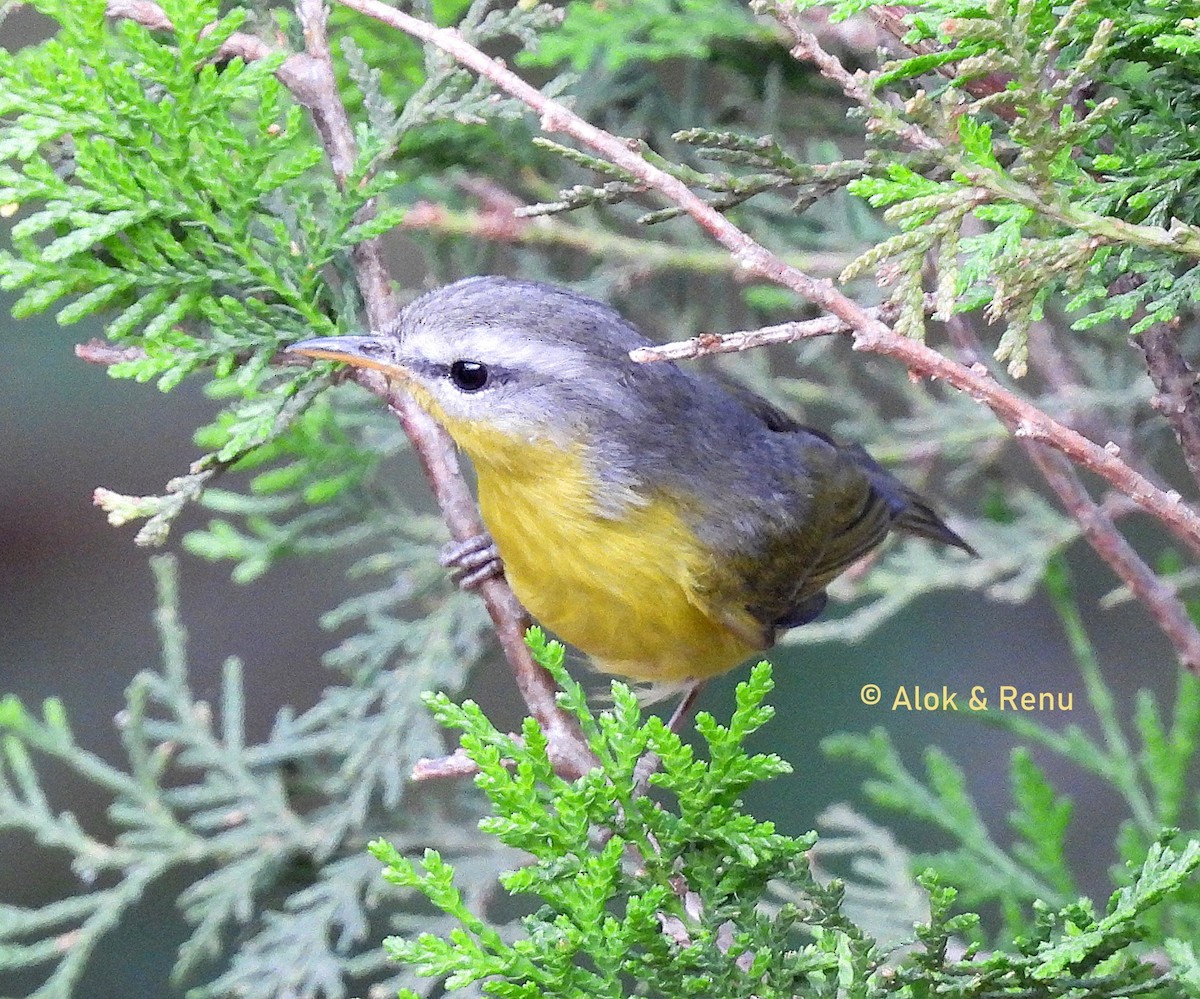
472 561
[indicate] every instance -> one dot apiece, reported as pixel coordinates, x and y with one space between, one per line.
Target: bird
665 523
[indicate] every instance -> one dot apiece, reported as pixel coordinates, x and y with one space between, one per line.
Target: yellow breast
625 591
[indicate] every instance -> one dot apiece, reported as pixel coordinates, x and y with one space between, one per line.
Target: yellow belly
624 591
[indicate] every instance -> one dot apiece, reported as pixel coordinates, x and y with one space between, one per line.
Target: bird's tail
911 512
919 518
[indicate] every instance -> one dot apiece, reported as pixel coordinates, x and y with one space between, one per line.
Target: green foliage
579 944
663 893
1067 133
630 30
272 833
1152 777
179 194
159 191
307 484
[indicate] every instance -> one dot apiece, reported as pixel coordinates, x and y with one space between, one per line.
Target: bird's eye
470 376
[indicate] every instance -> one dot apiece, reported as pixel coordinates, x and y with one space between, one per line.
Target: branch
310 78
1024 419
498 224
1096 522
1175 381
240 45
102 352
1157 596
764 336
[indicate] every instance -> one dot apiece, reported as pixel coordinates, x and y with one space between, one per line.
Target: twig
457 765
1063 375
310 78
728 343
1175 382
103 352
648 765
1096 523
436 451
891 20
240 45
1025 419
502 226
150 15
1157 596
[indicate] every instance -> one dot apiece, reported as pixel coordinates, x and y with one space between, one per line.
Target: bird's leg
472 561
649 763
684 707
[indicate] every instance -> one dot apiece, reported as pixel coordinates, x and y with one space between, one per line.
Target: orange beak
357 351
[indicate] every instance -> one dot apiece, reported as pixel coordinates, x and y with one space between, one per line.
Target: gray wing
776 579
911 512
846 503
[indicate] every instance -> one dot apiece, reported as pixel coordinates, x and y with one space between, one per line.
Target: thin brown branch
102 352
310 78
1025 419
1022 418
764 336
1175 382
807 48
556 117
1096 521
1157 596
147 14
432 444
1028 422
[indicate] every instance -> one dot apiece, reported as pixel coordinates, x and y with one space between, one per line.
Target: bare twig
147 14
457 765
239 45
499 225
310 78
102 352
1025 419
1157 596
1175 382
1096 522
728 343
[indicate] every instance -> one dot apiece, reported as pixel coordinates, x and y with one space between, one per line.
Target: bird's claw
472 561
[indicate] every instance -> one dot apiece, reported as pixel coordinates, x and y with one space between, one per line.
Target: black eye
470 376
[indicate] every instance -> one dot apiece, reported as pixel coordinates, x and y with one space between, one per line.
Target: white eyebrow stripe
505 347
